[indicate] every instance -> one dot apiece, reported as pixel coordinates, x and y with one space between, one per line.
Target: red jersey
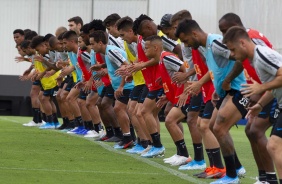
105 79
249 71
201 69
151 73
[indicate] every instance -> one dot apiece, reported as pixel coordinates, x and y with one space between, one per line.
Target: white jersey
118 42
266 62
172 64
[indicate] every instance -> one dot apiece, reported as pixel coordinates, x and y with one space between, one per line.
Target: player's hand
194 87
179 77
98 83
134 68
59 80
23 77
251 89
20 59
162 101
79 85
121 71
95 67
39 58
253 112
119 93
215 98
49 74
87 86
182 99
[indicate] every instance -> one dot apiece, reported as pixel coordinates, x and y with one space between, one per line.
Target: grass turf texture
31 155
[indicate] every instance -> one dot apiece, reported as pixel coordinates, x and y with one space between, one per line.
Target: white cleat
32 124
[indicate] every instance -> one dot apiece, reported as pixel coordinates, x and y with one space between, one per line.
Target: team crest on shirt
165 88
197 69
186 64
211 75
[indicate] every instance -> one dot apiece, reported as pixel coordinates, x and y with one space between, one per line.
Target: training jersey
84 62
219 67
151 73
131 53
201 69
168 43
266 62
118 42
93 62
73 60
114 58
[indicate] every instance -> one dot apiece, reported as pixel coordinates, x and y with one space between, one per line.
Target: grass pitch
30 155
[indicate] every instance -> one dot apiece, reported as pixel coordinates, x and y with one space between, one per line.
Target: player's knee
271 146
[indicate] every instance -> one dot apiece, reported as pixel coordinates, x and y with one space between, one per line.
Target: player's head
38 43
25 47
70 40
124 26
96 25
30 34
60 30
46 39
237 41
98 41
81 43
84 33
153 46
110 24
144 26
75 24
180 16
228 20
166 27
188 32
55 44
18 36
60 39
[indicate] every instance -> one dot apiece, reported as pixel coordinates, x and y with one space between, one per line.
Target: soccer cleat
194 165
31 124
76 129
102 138
154 151
62 127
241 172
119 145
123 145
113 139
81 132
136 149
57 124
92 134
47 126
260 182
181 160
149 147
208 169
226 180
214 173
166 160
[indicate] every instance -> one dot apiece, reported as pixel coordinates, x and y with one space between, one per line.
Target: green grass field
30 155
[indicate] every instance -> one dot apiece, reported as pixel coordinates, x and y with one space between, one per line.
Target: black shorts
82 95
125 97
206 110
108 91
184 109
137 92
70 85
155 94
144 94
37 83
277 126
51 92
196 103
270 110
67 79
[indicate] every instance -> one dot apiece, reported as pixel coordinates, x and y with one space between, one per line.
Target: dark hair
70 35
181 15
25 44
47 37
20 31
186 26
124 23
60 37
138 21
153 38
85 28
36 41
52 41
29 35
234 33
96 24
111 19
99 36
26 31
232 19
76 20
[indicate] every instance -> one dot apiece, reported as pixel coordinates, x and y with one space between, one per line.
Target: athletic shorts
196 103
51 92
238 100
270 110
125 97
137 92
37 83
206 110
108 91
82 95
277 126
184 109
143 95
155 94
70 85
67 79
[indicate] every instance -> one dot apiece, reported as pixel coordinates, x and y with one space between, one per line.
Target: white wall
259 14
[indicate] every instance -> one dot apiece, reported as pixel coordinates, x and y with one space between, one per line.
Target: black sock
39 116
66 120
144 143
216 157
280 180
36 115
118 132
132 132
208 151
55 118
127 138
72 123
79 120
97 127
156 140
109 131
44 118
49 118
181 147
138 140
198 152
262 175
88 124
230 166
238 164
271 177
